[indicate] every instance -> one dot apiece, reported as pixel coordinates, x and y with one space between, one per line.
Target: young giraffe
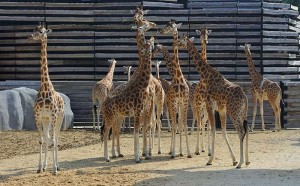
100 91
178 93
229 97
135 98
263 89
49 105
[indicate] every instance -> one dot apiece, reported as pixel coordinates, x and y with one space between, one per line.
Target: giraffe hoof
148 158
248 163
172 157
54 173
209 154
203 151
208 164
139 161
150 154
263 129
238 167
197 153
181 155
144 154
235 163
44 169
170 153
190 133
107 160
58 169
121 155
159 152
38 171
189 156
169 130
113 157
251 130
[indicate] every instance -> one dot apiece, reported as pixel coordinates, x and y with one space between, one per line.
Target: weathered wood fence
87 33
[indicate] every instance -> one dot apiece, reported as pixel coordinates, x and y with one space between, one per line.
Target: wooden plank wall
86 34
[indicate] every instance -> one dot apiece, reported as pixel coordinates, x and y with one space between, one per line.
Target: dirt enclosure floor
275 160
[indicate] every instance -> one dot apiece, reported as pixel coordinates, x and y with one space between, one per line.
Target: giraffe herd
144 97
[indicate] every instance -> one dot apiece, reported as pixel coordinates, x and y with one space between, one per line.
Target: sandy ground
275 160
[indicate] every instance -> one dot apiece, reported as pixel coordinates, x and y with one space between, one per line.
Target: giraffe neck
157 71
128 75
203 52
173 65
144 70
175 49
110 75
251 66
168 60
194 53
140 40
45 79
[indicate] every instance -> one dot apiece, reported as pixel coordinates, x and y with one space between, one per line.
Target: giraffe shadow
228 176
102 164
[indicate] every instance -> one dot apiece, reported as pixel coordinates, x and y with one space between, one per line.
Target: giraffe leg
202 125
94 111
183 113
211 118
168 120
261 103
254 111
98 118
241 153
222 114
277 110
40 131
247 147
47 138
113 152
180 128
136 136
60 120
198 118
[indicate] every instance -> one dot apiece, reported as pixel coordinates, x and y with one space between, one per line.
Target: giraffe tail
246 128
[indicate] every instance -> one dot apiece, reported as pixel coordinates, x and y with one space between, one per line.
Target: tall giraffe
178 93
199 97
263 89
229 97
135 98
49 105
155 85
101 89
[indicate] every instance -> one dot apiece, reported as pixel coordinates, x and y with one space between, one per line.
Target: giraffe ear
198 32
48 31
132 11
145 12
242 46
209 31
192 39
178 25
159 62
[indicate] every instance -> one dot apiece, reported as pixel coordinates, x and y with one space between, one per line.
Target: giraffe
155 85
199 98
101 90
133 101
229 97
49 105
178 94
165 84
263 89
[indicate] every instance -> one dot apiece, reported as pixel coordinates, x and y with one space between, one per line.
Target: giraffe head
112 61
171 27
138 13
157 50
246 47
40 32
156 63
204 32
127 69
149 46
183 41
145 25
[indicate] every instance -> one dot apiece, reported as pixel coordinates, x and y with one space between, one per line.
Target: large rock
16 110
